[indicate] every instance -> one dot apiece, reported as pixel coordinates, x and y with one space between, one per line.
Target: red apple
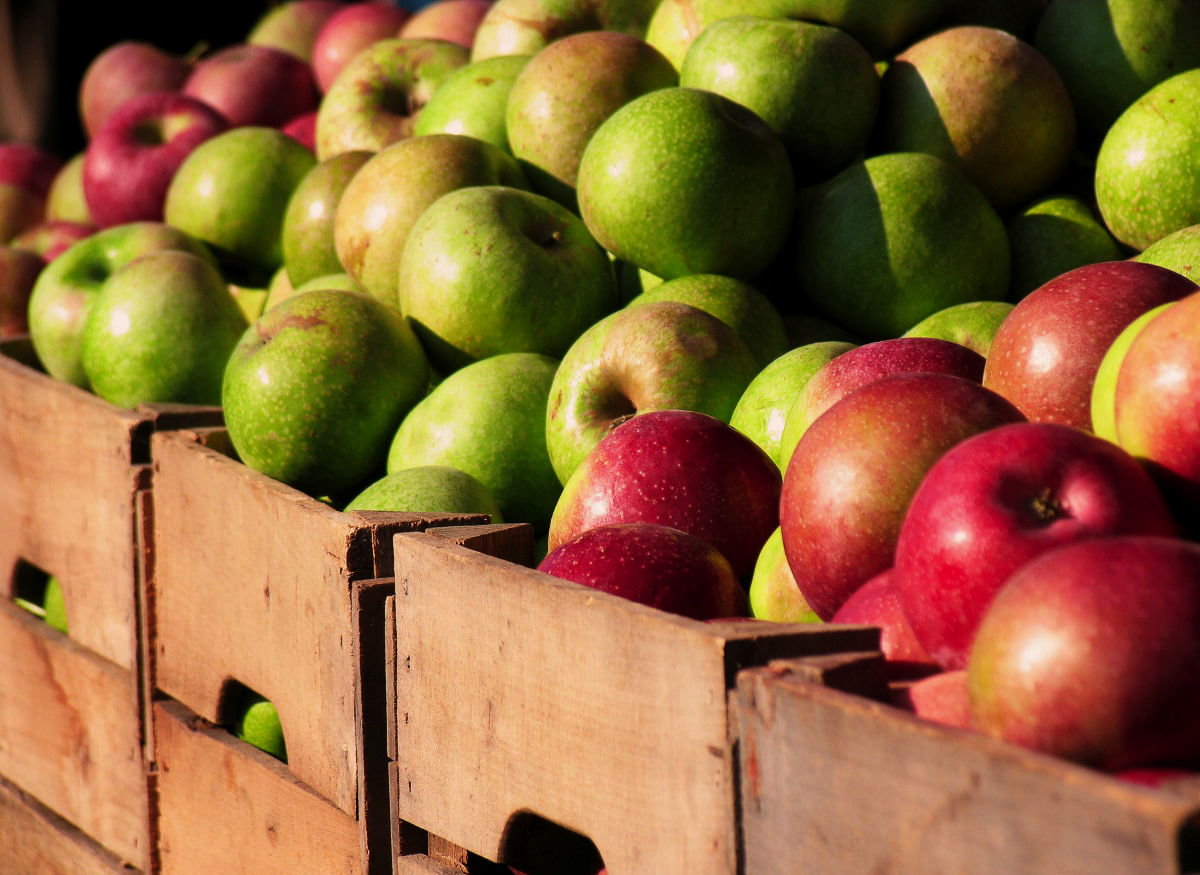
654 565
28 167
1046 352
303 129
452 20
350 30
1091 652
19 270
122 71
940 697
254 85
996 501
132 158
852 475
876 603
678 468
51 237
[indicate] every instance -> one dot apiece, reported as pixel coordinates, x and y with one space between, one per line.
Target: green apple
1178 251
257 723
232 191
662 355
761 412
972 324
566 90
682 180
774 595
1148 166
428 488
160 330
66 201
473 101
488 419
54 603
252 299
493 269
1104 384
735 302
377 97
1052 235
895 238
316 388
390 191
308 247
815 85
524 27
292 26
65 289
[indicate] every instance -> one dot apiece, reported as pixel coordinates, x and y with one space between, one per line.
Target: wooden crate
521 700
255 582
35 840
837 782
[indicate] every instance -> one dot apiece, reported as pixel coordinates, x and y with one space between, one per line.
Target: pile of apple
855 312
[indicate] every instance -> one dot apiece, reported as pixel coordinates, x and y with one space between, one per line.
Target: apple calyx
1046 507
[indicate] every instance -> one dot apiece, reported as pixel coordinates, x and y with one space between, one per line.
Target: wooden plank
36 841
518 694
843 785
71 733
225 806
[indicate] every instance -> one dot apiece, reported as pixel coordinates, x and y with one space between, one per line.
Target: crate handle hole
533 845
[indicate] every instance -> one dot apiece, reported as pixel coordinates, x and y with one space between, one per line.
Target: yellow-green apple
474 101
487 419
65 200
985 101
523 27
1179 250
654 565
51 237
660 356
855 470
318 385
1104 386
257 723
454 21
348 31
26 173
762 410
815 85
1053 235
292 26
132 158
426 488
307 233
19 270
941 697
387 195
160 330
895 238
877 603
65 289
1045 354
735 302
1090 653
377 97
564 93
994 502
1147 168
123 70
773 593
677 468
232 192
490 269
972 324
253 85
672 155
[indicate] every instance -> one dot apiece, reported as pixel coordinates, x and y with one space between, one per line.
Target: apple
257 723
20 209
660 356
1104 386
26 174
815 85
292 26
524 27
124 70
473 101
762 410
654 565
679 468
877 603
774 595
160 331
253 85
487 419
51 237
348 31
675 154
316 388
377 97
307 233
996 500
66 287
1179 250
493 269
1044 356
564 93
382 202
1147 178
853 473
942 698
19 270
133 156
427 488
232 192
454 21
1053 235
1090 653
65 201
972 324
303 129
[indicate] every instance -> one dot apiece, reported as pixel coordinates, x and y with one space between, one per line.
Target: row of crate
446 707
